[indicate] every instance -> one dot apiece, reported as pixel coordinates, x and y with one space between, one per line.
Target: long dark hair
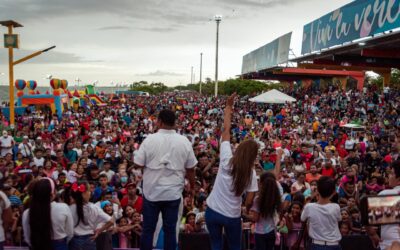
242 165
269 198
78 198
40 215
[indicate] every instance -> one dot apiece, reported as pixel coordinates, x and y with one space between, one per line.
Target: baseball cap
104 203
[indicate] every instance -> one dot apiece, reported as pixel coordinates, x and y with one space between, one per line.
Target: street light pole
78 80
11 77
191 75
218 19
13 43
201 69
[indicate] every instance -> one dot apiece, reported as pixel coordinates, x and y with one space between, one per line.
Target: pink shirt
123 240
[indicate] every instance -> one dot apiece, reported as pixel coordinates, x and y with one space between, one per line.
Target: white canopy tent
273 96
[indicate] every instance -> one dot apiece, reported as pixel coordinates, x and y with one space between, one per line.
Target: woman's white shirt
93 215
62 222
222 198
4 204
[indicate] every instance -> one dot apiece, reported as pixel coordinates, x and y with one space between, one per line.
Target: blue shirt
98 191
323 144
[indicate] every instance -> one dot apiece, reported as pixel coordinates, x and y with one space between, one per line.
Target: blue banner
267 56
358 19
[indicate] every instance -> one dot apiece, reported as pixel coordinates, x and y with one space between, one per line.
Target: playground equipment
93 96
85 98
58 101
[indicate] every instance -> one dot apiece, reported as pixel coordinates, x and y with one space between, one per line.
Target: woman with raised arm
236 176
47 225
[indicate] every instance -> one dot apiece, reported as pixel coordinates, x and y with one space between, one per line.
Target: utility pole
218 19
11 42
191 75
201 69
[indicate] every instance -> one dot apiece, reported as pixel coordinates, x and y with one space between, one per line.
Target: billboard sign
358 19
267 56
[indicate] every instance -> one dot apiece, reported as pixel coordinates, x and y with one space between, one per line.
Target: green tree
240 86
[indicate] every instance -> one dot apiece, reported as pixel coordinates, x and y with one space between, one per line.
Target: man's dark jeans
151 211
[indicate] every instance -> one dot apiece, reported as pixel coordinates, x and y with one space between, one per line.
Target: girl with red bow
86 217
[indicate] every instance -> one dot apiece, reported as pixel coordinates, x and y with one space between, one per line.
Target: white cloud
122 40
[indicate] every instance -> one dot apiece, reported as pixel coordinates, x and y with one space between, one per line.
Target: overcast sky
152 40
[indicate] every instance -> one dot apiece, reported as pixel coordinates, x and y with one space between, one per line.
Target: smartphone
114 195
380 210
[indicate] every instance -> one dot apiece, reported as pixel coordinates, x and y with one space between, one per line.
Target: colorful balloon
32 84
55 83
20 84
64 84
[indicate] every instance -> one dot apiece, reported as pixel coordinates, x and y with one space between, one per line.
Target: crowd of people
101 175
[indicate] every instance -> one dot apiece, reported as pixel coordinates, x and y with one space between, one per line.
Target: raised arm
226 134
277 169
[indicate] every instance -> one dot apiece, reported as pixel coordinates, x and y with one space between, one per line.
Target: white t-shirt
109 173
297 186
55 174
6 142
38 162
61 219
222 198
389 233
72 176
78 151
4 204
25 149
165 156
93 216
349 144
323 221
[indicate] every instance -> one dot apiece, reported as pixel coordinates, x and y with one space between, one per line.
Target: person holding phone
389 233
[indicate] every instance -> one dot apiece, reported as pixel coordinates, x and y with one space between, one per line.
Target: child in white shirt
323 217
71 174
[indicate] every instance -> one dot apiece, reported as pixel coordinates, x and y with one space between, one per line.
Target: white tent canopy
273 96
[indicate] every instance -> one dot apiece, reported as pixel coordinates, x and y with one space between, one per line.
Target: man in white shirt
25 148
165 158
38 160
6 144
107 170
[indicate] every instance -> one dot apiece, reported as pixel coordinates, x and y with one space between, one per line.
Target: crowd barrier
202 242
